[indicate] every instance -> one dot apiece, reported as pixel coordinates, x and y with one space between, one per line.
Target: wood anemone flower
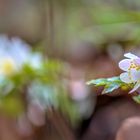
14 53
131 66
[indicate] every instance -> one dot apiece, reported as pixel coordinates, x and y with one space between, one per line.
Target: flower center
7 67
133 65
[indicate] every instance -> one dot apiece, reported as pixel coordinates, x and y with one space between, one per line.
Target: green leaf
12 106
111 87
6 86
136 99
110 84
68 107
98 82
114 79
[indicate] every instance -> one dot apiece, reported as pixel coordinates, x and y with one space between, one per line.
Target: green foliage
136 99
67 106
11 105
41 85
110 84
98 22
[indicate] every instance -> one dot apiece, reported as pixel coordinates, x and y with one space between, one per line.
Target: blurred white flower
14 53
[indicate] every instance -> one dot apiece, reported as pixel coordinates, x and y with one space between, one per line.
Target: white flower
131 66
14 53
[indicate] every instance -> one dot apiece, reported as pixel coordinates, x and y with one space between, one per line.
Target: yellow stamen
134 66
7 67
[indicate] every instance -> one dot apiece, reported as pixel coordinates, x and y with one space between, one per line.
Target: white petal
135 75
35 60
19 51
125 78
137 61
125 64
135 87
130 55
